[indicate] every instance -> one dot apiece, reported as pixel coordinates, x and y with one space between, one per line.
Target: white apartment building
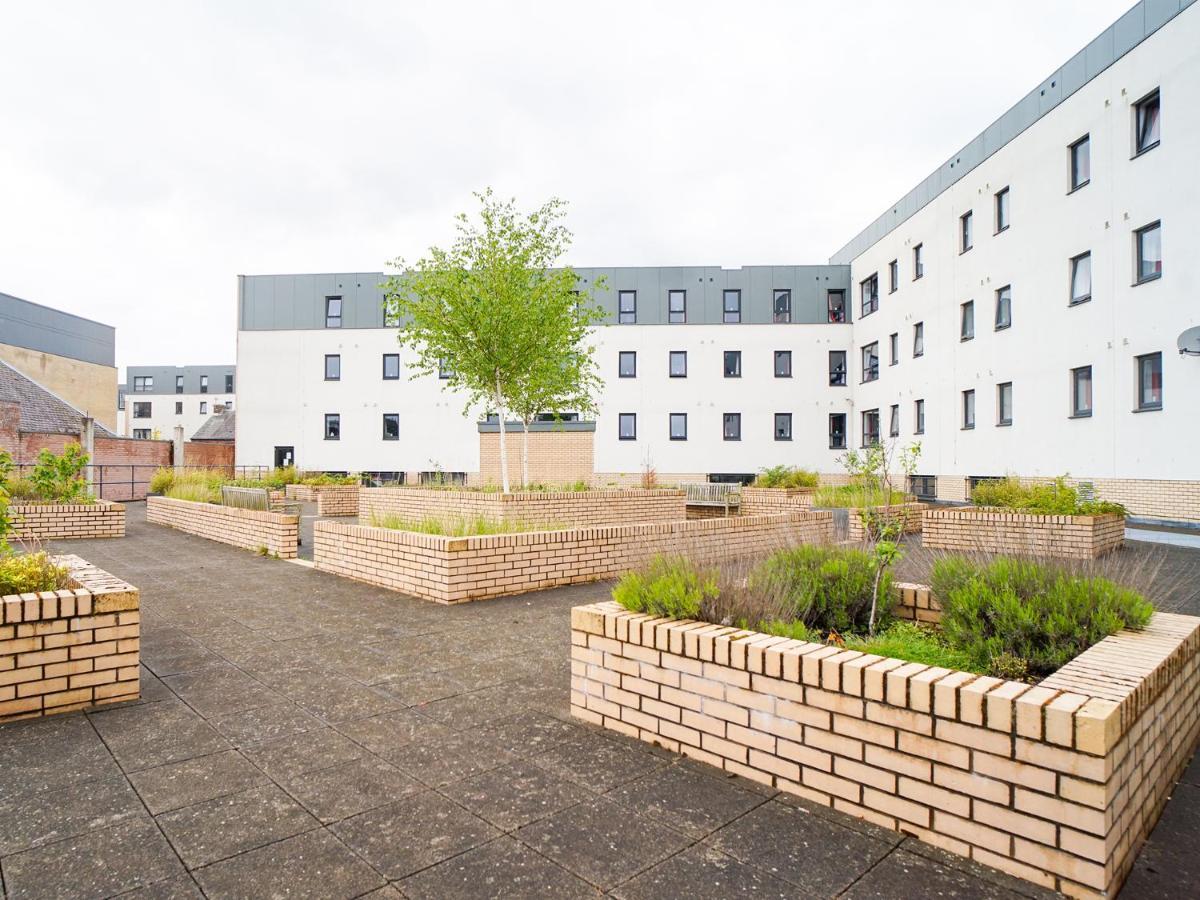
154 400
1017 312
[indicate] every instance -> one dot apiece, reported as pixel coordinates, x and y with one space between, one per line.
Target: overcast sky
151 152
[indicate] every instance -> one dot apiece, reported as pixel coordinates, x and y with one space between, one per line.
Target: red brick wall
10 422
209 454
121 466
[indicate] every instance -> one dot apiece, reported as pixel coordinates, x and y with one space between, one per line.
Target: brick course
1056 783
1149 497
331 499
759 501
250 529
68 521
69 649
555 457
1003 531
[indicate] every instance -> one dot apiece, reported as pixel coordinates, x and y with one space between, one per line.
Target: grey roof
46 330
41 410
219 427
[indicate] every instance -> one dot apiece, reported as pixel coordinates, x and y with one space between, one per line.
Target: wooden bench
724 496
257 499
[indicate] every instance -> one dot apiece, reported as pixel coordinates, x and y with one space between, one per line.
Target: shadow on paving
303 735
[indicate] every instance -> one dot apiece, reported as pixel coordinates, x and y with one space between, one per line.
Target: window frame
147 413
445 369
866 432
845 375
725 311
871 299
1003 301
966 231
621 354
918 339
141 434
783 355
671 419
734 418
894 420
1073 263
1139 236
967 306
919 416
894 348
384 422
672 312
1003 210
621 418
204 407
839 317
893 276
726 355
918 262
776 295
1140 149
229 384
785 417
143 384
330 300
386 357
845 442
336 420
1139 369
968 409
204 384
867 368
673 355
179 407
622 312
179 384
1001 419
333 356
1078 412
1073 182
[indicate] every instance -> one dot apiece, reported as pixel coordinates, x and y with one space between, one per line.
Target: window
333 367
179 384
732 305
678 364
1081 162
143 384
967 329
391 366
783 363
870 427
1004 403
968 409
918 417
783 426
868 291
837 368
733 363
1148 241
141 434
229 406
894 424
870 362
782 306
1081 279
676 307
1002 210
179 407
731 426
445 369
204 384
918 339
1149 381
1145 123
627 364
679 426
141 410
894 348
1081 392
837 431
918 261
333 312
965 237
923 487
893 276
229 384
204 407
1004 307
627 426
391 426
333 427
627 307
836 302
121 400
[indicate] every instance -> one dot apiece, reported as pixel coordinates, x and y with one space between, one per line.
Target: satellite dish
1189 342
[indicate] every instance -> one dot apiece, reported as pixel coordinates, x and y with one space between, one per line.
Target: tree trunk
525 453
503 449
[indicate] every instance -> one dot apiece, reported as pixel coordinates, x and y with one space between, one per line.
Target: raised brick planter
1003 531
557 508
460 569
909 513
759 501
69 649
74 521
277 533
1057 783
337 500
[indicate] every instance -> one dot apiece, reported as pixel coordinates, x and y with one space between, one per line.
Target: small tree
883 529
556 382
6 468
493 307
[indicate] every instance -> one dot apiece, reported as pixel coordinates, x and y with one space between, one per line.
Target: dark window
204 407
229 384
868 292
440 477
967 328
836 301
676 307
1149 252
870 362
918 417
391 366
333 312
968 409
445 369
179 407
627 426
731 426
141 434
733 363
783 363
894 348
204 384
919 339
1146 115
179 384
1149 378
870 427
893 276
141 410
783 426
1004 403
965 235
333 427
143 384
837 368
679 426
678 363
782 303
333 367
627 307
732 305
923 487
1081 162
894 423
1081 391
391 426
837 431
918 261
1004 307
1002 214
120 400
1081 278
627 364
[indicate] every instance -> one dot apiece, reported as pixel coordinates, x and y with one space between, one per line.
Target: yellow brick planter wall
456 570
1001 531
558 508
337 500
250 529
1056 783
69 649
62 522
758 501
910 513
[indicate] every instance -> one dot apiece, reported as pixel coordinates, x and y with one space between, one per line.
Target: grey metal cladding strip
46 330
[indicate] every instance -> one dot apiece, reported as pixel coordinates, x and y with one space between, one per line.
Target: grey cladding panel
46 330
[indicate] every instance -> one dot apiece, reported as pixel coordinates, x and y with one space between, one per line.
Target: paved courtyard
306 736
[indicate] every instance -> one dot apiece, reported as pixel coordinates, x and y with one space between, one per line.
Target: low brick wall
459 569
1057 783
337 500
915 603
556 508
250 529
909 513
1001 531
61 522
69 649
759 501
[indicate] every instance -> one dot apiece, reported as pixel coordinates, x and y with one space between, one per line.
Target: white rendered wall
163 418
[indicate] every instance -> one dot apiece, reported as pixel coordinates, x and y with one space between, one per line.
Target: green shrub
825 588
161 480
59 478
857 496
669 586
22 573
786 477
196 485
1011 611
1056 498
321 479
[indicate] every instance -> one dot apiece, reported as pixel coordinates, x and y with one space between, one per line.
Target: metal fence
131 481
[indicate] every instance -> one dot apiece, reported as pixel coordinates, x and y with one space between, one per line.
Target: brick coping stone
68 521
1058 783
519 496
72 648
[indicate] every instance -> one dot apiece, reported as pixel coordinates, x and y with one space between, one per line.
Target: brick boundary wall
69 649
759 501
557 508
249 529
1057 783
1148 497
331 499
461 569
911 513
555 457
68 521
1004 531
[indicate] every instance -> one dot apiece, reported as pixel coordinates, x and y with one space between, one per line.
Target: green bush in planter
669 586
825 588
